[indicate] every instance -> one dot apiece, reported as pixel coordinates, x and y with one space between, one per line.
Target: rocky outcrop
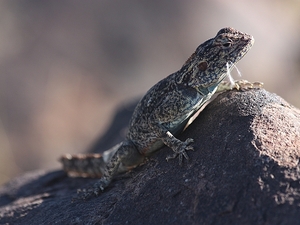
244 170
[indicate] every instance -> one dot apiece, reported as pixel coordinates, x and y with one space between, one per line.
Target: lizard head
210 63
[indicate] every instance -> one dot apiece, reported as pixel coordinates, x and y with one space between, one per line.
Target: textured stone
244 170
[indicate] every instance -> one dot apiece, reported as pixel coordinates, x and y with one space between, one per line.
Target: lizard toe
180 151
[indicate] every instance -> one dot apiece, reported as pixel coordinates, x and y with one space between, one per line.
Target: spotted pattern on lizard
166 108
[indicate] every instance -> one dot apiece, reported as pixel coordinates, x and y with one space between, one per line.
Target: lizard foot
94 191
181 150
238 85
84 194
100 185
244 84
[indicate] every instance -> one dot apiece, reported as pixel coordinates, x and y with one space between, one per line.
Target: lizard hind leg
125 158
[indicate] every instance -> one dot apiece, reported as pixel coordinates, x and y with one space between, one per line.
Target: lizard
166 108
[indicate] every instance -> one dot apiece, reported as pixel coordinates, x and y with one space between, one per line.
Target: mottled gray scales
84 165
166 108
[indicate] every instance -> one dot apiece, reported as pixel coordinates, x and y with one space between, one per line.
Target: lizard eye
227 44
202 66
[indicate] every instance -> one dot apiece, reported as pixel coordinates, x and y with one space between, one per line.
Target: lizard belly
176 125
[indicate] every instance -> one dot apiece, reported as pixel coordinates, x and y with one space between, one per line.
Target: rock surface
244 170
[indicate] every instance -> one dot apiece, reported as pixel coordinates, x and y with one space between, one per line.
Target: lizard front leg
179 147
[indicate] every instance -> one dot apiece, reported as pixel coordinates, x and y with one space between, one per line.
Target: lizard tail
87 165
83 165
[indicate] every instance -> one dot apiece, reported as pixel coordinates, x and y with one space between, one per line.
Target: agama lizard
166 108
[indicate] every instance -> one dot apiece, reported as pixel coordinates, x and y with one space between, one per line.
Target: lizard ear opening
202 66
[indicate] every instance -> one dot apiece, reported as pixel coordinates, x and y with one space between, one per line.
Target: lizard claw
180 151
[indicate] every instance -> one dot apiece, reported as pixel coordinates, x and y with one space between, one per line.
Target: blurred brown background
66 65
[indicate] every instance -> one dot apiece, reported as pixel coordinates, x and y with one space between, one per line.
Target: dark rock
117 129
244 170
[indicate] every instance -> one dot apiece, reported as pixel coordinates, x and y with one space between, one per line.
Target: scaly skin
166 108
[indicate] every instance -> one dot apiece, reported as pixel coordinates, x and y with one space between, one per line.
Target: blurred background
65 66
